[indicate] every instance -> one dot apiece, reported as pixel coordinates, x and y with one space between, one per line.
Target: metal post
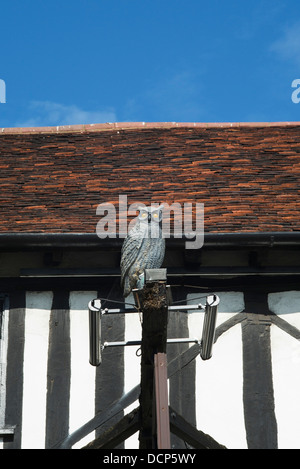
209 326
162 402
95 332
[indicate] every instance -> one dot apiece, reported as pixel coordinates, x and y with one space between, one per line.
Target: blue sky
94 61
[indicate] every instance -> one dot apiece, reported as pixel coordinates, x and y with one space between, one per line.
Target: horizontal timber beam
89 241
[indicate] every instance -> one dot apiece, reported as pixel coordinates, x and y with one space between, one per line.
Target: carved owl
143 247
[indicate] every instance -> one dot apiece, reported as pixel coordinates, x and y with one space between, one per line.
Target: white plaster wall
37 314
82 388
286 382
219 380
3 364
287 305
132 362
133 331
286 365
219 391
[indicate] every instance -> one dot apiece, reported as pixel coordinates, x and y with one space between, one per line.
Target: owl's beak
149 217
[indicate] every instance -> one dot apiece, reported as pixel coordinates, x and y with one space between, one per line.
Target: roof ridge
85 128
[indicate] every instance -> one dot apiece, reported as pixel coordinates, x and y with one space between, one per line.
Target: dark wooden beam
119 432
188 433
153 299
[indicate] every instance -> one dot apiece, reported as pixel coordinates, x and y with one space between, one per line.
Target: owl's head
150 214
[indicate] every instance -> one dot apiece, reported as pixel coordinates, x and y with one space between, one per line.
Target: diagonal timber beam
119 432
187 432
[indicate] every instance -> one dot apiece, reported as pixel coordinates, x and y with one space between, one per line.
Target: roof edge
87 241
117 126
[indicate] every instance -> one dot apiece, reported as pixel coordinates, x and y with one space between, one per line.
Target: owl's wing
130 250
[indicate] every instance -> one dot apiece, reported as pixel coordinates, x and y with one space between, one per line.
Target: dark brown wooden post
153 298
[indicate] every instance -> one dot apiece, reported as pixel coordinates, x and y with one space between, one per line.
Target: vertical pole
162 402
154 340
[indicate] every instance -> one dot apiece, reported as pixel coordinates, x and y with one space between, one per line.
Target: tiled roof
247 175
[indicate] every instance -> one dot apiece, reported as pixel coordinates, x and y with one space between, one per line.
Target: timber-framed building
52 263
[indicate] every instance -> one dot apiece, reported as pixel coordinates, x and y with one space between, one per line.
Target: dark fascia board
90 241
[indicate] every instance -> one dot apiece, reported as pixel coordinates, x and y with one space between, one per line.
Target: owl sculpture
143 248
